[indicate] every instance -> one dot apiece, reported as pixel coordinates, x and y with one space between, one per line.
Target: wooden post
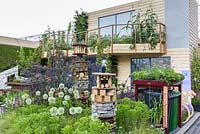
75 38
136 93
86 37
165 108
99 37
160 29
112 39
135 36
179 107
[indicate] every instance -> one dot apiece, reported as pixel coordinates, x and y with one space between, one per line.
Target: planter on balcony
45 53
139 48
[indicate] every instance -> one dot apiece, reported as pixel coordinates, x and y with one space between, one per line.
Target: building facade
179 22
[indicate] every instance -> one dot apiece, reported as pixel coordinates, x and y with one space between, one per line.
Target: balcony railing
123 38
114 39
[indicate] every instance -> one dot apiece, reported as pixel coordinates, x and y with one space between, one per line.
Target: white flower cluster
52 100
94 117
76 94
54 111
37 93
75 110
26 98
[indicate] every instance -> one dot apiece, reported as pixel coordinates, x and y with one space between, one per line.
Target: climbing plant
143 29
196 71
80 24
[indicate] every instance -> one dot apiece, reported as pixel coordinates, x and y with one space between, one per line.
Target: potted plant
196 102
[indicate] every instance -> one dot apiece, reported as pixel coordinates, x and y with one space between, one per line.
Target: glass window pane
123 33
140 64
105 21
160 62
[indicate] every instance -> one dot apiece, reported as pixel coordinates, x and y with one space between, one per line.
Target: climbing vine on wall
196 71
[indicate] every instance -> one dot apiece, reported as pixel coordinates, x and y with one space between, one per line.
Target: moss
9 56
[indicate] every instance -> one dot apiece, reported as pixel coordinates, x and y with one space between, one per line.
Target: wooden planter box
45 54
19 86
139 48
164 87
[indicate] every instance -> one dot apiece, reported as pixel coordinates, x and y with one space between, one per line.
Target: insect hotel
104 98
80 70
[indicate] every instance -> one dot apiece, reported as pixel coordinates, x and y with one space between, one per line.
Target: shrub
9 56
86 125
130 113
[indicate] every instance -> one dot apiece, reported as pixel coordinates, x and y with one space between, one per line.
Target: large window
120 18
139 64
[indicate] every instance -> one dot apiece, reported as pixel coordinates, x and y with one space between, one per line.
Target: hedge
9 56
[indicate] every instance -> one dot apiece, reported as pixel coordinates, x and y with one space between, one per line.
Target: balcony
125 39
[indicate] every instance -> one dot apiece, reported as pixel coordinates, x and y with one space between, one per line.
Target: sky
21 18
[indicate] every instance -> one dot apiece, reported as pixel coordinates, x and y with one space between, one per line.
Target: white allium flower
92 97
125 90
72 111
76 96
51 94
65 89
53 111
70 90
25 96
65 103
28 101
45 96
51 100
37 93
94 117
52 90
60 111
75 92
118 92
61 94
78 110
67 97
61 86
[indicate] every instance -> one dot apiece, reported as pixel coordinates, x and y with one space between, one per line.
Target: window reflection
120 18
140 64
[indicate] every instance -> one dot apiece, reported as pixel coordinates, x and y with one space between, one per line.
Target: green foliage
25 61
160 74
40 123
80 24
195 71
196 101
9 56
156 113
143 30
86 125
132 116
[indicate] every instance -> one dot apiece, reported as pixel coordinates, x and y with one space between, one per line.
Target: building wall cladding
181 23
193 26
141 5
